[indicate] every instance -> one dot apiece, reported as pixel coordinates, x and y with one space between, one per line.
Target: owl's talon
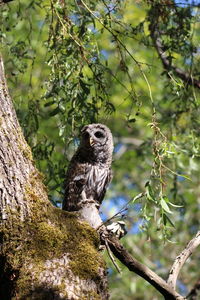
117 228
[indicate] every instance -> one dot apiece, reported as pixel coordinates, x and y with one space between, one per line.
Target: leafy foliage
76 62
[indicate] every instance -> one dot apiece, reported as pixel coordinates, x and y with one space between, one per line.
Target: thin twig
111 256
181 259
125 207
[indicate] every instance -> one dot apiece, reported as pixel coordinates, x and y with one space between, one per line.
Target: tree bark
45 253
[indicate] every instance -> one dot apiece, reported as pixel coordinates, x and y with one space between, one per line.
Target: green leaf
170 203
164 206
174 205
55 111
49 103
149 193
85 87
167 219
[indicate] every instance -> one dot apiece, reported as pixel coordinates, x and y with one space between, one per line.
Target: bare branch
111 257
134 266
181 259
185 76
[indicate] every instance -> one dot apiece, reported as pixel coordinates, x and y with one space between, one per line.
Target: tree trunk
45 253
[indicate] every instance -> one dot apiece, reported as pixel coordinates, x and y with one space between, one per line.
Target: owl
89 171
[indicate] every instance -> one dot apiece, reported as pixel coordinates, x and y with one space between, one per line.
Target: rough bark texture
45 253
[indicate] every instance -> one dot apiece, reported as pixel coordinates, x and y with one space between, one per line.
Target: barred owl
89 171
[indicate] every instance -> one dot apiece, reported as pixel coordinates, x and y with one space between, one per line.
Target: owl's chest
96 177
95 174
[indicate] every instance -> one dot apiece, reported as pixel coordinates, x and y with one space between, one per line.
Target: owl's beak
91 141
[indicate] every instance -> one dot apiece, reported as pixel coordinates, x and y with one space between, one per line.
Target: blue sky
187 2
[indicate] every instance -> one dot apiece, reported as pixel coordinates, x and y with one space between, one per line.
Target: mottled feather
89 171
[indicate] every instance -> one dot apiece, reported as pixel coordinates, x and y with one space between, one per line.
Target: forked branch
167 289
181 259
134 266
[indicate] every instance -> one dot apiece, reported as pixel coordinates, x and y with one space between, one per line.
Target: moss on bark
47 233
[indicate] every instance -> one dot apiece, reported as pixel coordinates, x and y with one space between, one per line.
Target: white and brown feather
89 171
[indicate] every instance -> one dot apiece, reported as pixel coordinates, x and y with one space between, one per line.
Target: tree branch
181 259
134 266
185 76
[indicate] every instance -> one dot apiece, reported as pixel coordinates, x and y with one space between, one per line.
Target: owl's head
97 137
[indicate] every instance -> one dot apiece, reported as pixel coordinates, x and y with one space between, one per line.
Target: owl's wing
75 182
106 180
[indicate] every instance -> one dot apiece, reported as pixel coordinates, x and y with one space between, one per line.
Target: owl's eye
99 134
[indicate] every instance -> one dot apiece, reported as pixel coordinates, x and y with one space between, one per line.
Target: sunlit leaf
164 206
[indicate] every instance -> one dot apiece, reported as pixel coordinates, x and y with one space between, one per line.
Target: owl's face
97 136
